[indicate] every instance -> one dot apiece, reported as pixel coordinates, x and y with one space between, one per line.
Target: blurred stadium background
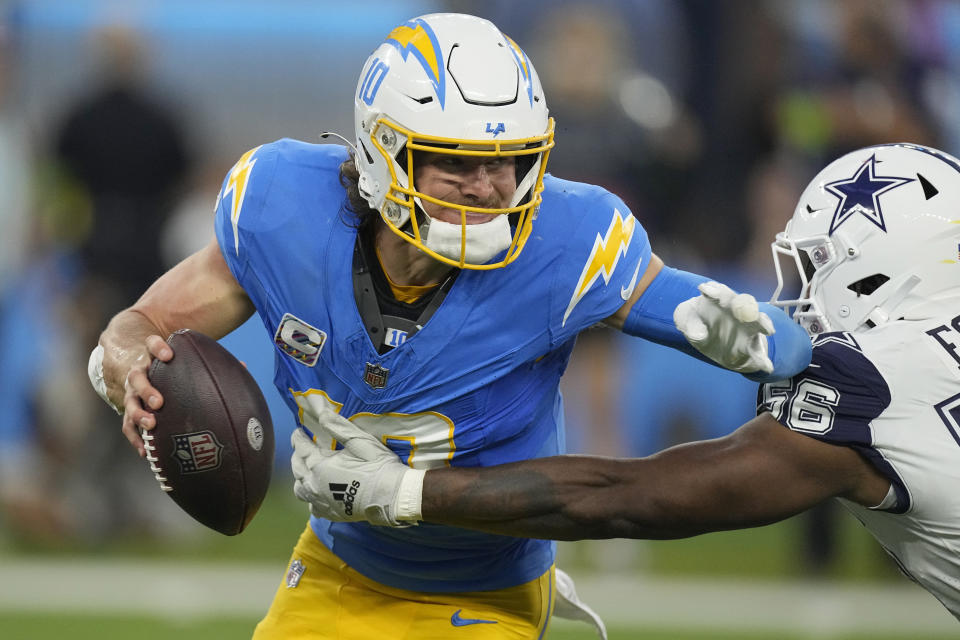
118 120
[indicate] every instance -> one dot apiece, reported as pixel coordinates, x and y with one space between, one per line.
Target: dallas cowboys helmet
875 233
452 84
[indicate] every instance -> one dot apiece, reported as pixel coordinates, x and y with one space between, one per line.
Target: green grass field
23 627
768 553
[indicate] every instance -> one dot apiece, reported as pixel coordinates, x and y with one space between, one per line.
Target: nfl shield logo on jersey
294 573
196 452
376 376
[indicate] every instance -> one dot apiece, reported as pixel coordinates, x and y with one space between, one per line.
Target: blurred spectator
24 503
119 162
189 226
619 125
62 477
14 169
855 85
740 58
30 506
934 34
127 151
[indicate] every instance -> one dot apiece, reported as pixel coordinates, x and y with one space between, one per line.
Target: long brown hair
356 204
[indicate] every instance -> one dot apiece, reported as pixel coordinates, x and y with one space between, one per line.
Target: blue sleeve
603 252
789 346
651 318
238 204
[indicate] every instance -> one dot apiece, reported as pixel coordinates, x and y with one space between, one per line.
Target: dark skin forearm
760 474
559 498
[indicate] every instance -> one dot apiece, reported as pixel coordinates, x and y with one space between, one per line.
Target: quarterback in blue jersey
428 285
874 420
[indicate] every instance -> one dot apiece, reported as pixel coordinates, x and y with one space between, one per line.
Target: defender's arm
761 473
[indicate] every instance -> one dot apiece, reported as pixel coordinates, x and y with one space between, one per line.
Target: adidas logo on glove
345 494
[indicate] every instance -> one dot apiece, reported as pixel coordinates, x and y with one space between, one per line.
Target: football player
874 420
429 285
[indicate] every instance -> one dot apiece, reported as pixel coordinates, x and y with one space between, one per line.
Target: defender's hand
362 481
727 327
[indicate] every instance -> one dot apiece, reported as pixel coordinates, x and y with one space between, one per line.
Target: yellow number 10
422 440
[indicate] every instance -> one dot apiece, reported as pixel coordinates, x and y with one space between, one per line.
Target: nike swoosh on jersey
627 291
457 621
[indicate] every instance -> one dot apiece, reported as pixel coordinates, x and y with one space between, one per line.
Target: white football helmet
875 233
451 83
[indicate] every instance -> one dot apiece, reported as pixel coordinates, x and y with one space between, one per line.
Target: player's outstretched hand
727 327
362 481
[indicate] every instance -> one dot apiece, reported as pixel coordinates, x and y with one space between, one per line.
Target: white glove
364 481
727 327
569 606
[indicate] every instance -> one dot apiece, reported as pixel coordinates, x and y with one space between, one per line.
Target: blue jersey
476 386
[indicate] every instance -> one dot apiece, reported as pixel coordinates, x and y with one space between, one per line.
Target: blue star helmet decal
861 193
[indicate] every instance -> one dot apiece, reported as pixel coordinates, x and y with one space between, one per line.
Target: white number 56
812 407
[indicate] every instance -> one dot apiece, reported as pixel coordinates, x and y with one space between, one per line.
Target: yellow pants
321 598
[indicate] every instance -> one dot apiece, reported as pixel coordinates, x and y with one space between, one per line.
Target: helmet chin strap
881 313
484 240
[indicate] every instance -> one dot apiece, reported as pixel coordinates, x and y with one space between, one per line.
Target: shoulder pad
605 249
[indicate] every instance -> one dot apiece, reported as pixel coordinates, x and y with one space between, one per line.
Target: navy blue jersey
835 399
476 386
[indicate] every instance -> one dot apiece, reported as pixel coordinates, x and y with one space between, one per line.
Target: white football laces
152 459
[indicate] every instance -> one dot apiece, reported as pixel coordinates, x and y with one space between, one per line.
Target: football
212 447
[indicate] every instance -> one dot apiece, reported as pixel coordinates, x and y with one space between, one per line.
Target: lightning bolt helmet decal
418 38
495 108
523 62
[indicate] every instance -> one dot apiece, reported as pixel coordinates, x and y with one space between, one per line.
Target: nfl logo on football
196 452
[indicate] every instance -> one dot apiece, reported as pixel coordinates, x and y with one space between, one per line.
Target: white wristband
95 373
410 496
